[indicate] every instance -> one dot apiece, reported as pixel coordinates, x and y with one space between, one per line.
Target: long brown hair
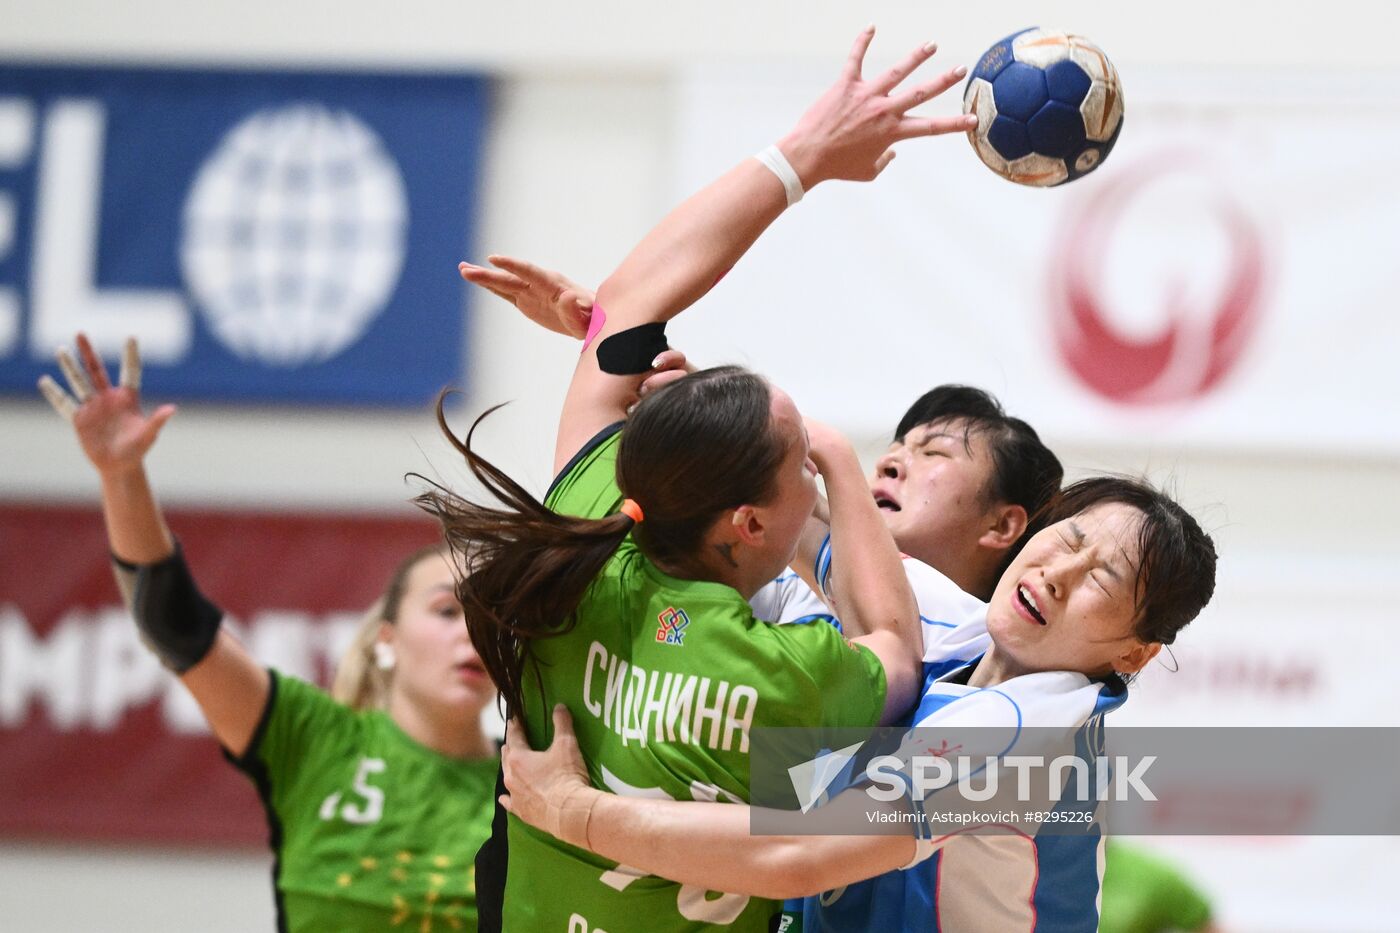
691 450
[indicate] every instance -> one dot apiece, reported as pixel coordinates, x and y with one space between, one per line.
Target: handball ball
1049 107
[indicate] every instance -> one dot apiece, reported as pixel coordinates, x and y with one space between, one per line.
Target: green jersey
371 830
665 678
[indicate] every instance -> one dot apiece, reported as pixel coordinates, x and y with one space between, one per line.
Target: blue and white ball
1049 107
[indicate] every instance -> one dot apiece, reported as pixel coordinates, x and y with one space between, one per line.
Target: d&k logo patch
673 624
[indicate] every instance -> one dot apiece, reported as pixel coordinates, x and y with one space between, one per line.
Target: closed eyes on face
1099 583
1074 539
938 444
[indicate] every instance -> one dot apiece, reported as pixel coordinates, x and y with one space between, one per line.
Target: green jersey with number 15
371 830
665 679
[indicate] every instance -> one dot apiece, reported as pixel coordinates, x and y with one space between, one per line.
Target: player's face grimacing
1068 600
436 667
931 486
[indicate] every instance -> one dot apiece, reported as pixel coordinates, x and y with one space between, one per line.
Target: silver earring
384 656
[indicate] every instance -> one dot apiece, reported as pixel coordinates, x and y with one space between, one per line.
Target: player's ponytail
522 568
691 450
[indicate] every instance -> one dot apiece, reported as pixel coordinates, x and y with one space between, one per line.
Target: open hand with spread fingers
848 132
542 295
113 431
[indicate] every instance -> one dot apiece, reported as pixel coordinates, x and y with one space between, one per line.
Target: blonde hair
359 682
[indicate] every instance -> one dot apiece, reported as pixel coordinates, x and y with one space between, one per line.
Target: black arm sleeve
176 621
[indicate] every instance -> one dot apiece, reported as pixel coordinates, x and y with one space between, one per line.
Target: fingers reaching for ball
891 79
928 90
848 132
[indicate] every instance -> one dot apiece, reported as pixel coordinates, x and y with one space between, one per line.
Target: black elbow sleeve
176 620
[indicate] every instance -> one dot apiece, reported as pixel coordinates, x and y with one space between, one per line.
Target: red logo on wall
1197 346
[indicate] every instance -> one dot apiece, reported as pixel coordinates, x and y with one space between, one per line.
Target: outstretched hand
548 298
111 428
557 303
848 132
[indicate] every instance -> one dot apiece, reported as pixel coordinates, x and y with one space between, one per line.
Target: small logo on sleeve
673 624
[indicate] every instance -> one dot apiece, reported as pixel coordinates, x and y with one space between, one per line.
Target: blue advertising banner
268 236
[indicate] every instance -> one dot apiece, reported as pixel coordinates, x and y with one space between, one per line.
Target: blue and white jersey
1010 880
954 622
788 600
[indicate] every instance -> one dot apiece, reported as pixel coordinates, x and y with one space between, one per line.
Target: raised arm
115 436
846 134
877 604
705 844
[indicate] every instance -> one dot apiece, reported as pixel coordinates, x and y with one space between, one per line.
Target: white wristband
777 163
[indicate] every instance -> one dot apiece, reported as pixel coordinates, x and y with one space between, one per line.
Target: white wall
579 166
542 36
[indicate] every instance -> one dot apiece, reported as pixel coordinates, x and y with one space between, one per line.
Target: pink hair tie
632 510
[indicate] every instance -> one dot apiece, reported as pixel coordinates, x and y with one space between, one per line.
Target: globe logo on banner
294 234
269 236
1197 338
